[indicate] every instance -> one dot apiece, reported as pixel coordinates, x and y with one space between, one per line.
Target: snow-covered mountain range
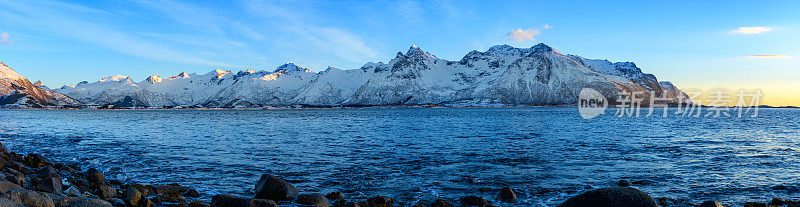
502 75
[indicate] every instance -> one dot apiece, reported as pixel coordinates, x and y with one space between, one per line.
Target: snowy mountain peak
541 47
154 79
415 51
38 83
250 71
502 47
180 75
115 78
6 72
290 67
219 73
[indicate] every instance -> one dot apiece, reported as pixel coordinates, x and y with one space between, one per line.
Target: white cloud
524 35
4 38
521 35
751 30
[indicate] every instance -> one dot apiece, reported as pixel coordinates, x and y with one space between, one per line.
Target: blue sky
695 44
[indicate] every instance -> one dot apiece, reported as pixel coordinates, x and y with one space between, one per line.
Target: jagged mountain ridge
502 75
17 91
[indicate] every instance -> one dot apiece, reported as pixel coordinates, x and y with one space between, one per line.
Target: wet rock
777 202
611 197
37 161
507 195
474 201
133 197
29 198
343 203
170 197
5 186
664 201
624 183
271 187
316 200
19 179
171 188
116 202
48 184
106 192
441 203
199 204
47 171
335 196
72 192
9 203
94 177
82 202
755 204
379 201
191 193
235 201
20 168
710 204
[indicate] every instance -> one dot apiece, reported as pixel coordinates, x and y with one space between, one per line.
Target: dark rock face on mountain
502 75
17 91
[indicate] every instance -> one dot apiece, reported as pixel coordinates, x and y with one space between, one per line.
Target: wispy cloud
4 38
524 35
769 56
751 30
298 38
79 23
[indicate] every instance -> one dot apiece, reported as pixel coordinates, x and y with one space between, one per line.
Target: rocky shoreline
34 181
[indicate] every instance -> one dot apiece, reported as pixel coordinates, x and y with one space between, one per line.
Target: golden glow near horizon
769 56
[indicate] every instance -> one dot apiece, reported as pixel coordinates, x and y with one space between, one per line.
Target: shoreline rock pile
34 181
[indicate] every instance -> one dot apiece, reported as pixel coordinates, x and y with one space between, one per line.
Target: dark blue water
419 154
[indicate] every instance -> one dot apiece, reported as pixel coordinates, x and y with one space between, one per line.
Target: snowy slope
17 91
502 75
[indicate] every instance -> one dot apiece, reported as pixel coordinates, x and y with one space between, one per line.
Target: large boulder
36 160
29 198
474 201
235 201
106 192
507 195
316 200
271 187
82 202
170 188
95 177
441 203
133 197
72 191
380 201
5 186
48 184
47 171
9 203
611 197
710 204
